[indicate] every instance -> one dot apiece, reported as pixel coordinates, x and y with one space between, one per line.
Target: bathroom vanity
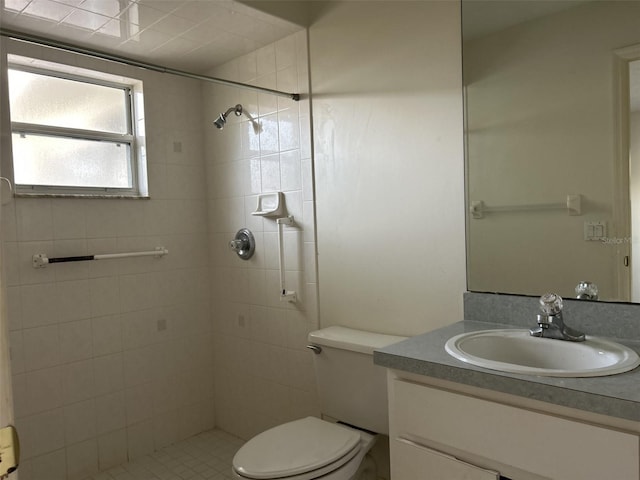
451 420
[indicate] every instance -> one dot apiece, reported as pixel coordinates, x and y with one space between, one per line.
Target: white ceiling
482 17
191 35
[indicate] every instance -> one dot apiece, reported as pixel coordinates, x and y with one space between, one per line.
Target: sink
515 351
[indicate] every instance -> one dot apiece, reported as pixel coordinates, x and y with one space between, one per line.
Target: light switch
595 231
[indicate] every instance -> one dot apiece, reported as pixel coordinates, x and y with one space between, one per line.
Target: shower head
222 119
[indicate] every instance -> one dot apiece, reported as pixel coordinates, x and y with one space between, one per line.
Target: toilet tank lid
351 339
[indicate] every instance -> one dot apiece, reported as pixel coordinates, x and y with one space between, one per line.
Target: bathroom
199 335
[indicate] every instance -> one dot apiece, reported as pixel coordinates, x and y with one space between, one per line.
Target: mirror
550 132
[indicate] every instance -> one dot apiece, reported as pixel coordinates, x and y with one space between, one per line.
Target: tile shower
113 360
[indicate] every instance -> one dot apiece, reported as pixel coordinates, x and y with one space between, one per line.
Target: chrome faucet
586 290
550 322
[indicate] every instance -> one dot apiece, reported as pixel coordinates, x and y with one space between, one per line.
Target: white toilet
352 390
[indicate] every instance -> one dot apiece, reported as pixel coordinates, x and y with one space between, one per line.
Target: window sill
79 195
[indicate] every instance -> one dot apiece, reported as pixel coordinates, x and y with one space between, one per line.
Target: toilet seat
298 450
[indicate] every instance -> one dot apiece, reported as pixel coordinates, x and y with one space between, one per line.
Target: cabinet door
544 445
411 461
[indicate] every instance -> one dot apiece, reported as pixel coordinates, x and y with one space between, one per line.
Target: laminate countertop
613 395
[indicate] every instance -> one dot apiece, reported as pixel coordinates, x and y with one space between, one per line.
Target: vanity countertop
614 395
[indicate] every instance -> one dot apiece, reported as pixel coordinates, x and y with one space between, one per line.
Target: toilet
353 392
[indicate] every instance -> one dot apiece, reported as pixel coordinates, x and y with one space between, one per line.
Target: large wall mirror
552 119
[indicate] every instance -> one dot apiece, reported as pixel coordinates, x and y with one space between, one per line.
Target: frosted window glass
60 102
64 162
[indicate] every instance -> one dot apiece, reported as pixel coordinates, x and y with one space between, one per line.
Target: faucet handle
551 304
586 290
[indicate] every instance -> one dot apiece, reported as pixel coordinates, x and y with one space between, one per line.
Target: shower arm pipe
60 45
41 260
288 295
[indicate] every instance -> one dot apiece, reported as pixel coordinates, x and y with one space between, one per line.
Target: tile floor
206 456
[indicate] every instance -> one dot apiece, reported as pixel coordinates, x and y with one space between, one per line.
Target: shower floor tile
207 456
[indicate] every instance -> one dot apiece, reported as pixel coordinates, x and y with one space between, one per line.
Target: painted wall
387 109
263 372
634 185
541 126
112 359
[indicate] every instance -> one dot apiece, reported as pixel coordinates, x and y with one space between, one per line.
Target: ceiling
482 17
191 35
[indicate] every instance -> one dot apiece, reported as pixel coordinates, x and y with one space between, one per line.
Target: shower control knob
236 245
243 244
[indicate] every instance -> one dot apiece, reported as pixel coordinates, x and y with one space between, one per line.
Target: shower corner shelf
269 205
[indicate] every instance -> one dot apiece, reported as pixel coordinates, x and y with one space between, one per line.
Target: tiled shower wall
263 372
112 359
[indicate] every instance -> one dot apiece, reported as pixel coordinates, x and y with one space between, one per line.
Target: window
73 133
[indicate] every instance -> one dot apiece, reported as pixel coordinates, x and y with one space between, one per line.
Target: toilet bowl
351 389
304 449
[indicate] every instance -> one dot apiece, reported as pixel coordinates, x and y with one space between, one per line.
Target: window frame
130 138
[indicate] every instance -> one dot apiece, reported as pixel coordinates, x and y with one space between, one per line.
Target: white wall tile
138 328
82 460
109 374
40 305
110 412
269 135
247 67
140 439
138 292
290 170
102 220
138 366
8 222
287 81
73 300
35 220
14 307
79 421
41 347
266 60
267 104
75 341
78 381
165 428
52 466
289 130
249 139
41 433
10 257
138 403
285 52
68 218
270 168
106 335
16 352
104 295
112 449
43 391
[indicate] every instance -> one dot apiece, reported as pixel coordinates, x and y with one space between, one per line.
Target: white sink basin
515 351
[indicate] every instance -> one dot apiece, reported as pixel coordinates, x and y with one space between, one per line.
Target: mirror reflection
552 143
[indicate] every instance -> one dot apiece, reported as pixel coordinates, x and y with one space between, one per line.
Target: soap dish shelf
269 205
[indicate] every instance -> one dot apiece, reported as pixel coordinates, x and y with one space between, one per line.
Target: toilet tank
351 388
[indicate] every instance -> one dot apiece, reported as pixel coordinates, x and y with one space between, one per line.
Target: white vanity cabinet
438 434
